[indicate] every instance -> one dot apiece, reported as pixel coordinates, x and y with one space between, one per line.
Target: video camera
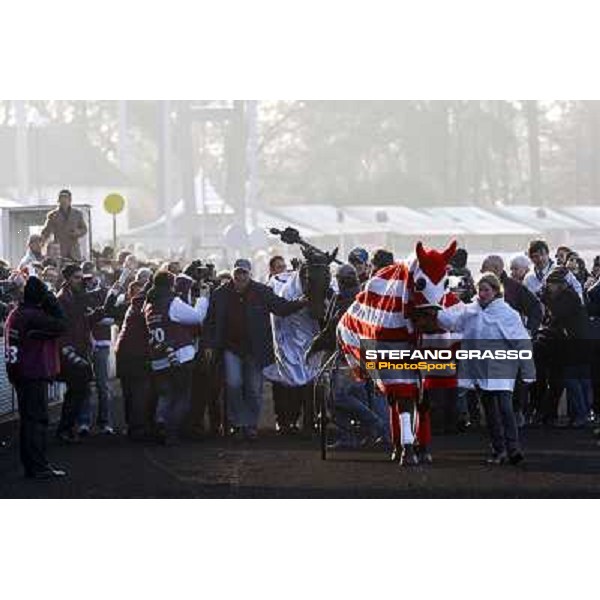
201 272
462 286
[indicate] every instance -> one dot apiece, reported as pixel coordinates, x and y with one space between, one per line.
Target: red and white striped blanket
382 312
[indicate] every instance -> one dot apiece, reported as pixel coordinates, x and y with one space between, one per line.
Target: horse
382 313
292 335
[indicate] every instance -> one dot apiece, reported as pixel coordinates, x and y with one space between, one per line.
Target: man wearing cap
67 225
238 325
359 259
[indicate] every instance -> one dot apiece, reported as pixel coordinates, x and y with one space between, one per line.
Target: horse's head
429 274
315 278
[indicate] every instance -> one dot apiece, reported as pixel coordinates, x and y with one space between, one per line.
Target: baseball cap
358 255
243 264
346 272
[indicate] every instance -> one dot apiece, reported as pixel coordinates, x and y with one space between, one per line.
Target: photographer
171 324
31 349
460 277
561 351
196 288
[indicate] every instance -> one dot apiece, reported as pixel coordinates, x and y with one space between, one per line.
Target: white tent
402 220
588 214
542 218
478 221
324 218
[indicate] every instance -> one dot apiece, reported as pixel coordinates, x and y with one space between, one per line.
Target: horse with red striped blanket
383 312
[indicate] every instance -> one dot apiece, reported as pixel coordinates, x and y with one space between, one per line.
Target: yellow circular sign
114 204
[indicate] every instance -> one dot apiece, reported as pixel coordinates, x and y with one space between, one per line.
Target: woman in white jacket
489 323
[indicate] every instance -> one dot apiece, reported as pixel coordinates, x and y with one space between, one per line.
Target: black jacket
261 300
523 301
564 335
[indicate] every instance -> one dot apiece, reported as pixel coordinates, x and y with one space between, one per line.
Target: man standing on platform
67 225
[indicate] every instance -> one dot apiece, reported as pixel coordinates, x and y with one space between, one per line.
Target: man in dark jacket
238 325
515 293
132 352
75 351
562 350
31 333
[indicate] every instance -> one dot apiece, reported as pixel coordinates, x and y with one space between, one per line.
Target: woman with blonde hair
489 323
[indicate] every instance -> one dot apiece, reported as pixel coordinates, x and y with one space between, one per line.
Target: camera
204 275
200 272
462 286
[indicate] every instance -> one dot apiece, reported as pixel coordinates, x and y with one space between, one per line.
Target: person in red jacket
132 353
32 360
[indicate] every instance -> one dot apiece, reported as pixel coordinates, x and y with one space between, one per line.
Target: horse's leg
423 433
394 428
407 438
279 393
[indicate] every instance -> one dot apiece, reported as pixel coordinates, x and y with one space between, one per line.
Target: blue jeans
174 389
352 404
577 385
100 359
244 387
501 421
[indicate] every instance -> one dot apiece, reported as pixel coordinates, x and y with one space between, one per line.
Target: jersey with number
163 332
29 358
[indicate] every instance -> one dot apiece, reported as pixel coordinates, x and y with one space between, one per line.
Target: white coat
496 321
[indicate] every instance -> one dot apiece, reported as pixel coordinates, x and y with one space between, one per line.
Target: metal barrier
8 401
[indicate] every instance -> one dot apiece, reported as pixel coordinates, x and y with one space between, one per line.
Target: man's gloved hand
173 358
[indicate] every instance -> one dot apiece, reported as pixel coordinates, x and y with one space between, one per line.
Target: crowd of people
191 345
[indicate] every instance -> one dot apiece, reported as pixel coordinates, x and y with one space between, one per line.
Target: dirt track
560 463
